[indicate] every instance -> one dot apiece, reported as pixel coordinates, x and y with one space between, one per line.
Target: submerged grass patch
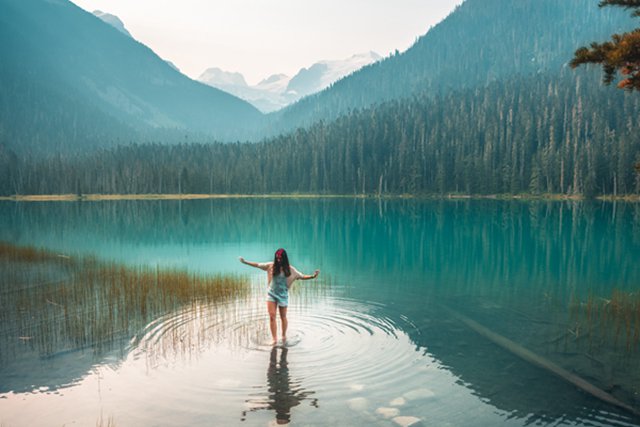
594 336
53 303
615 319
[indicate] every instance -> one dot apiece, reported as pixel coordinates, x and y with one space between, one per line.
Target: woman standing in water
280 277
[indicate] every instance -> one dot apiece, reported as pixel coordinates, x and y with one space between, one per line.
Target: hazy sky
263 37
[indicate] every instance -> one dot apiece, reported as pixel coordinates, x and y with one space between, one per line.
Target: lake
421 314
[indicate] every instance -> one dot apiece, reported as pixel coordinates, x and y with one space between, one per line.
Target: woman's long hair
281 263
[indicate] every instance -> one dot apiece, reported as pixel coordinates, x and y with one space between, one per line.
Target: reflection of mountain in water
282 393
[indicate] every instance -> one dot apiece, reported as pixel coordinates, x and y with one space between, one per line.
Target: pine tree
621 54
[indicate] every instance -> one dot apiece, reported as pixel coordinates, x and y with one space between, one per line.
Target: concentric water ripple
336 338
339 350
352 358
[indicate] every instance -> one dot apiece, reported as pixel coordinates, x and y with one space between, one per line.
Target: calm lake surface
395 327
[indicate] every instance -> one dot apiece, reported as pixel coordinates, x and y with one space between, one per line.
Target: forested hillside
69 81
483 104
482 41
547 134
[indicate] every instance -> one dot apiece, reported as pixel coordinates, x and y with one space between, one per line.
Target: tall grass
52 303
613 320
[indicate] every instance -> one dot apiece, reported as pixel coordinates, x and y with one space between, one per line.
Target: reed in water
614 319
54 303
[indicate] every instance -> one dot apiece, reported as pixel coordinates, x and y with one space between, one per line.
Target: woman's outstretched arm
309 276
252 264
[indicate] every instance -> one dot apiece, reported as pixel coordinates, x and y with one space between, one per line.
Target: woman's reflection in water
283 395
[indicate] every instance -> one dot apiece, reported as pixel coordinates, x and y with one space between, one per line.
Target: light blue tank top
279 285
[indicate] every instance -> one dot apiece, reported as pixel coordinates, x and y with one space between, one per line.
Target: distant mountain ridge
117 23
280 90
480 42
69 80
322 74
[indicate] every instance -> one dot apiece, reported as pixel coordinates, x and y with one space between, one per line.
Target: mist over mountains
280 90
480 42
72 83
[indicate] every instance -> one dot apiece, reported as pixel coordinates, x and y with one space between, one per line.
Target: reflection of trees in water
513 266
463 243
282 392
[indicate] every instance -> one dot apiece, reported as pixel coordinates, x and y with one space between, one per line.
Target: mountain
222 79
322 74
70 81
265 98
550 133
117 23
482 104
275 83
268 95
480 42
279 90
112 20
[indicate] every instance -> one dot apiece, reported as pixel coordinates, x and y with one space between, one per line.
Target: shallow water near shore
373 340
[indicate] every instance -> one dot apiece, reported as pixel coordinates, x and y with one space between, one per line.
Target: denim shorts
280 300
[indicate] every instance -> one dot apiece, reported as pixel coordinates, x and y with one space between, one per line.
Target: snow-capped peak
280 90
274 83
218 78
323 73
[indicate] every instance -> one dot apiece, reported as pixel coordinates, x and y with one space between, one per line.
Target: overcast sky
263 37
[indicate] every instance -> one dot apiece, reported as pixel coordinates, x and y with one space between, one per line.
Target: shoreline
113 197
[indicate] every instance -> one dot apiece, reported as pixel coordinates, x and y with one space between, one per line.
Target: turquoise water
380 337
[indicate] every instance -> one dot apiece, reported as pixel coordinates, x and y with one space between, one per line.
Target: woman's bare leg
271 308
285 322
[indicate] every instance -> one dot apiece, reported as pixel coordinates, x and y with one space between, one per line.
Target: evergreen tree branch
620 55
627 4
